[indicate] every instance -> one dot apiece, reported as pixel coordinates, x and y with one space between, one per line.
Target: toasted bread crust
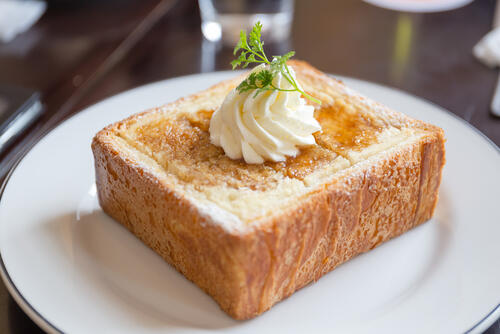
248 270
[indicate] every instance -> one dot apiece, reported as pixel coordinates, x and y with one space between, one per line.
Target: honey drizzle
344 129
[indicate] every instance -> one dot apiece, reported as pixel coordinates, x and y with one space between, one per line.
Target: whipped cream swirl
266 127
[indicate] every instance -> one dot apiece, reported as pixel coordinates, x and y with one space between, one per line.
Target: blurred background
69 54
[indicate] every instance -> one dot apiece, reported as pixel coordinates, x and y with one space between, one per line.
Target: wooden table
77 55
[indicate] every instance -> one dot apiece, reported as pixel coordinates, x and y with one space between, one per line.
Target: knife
19 107
495 102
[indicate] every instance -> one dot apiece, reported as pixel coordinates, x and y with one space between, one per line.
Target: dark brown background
78 54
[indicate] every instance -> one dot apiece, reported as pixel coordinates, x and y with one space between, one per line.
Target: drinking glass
222 20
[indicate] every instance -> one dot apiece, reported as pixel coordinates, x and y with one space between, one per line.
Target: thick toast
251 235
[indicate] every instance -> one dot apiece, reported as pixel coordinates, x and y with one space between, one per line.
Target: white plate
75 270
420 5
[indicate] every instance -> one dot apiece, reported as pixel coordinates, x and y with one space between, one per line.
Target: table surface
82 52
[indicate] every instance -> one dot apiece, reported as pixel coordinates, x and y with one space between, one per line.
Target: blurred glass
222 20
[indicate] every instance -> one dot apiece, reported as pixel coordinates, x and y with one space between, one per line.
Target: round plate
420 5
73 269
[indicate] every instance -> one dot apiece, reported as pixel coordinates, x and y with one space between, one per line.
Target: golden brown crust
340 221
248 270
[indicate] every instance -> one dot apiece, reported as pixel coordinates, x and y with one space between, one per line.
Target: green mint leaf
265 78
251 58
242 43
247 84
252 79
234 64
254 37
287 56
251 50
238 61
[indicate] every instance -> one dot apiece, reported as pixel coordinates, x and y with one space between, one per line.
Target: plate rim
416 7
47 326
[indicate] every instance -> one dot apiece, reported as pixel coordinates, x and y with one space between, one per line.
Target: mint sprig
251 50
